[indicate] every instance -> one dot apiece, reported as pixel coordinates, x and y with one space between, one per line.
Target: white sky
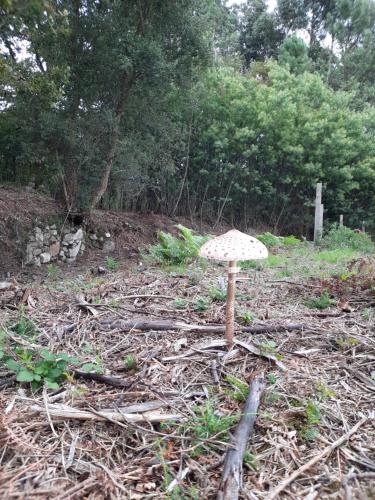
271 3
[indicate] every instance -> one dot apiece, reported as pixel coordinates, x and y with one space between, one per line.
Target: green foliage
313 414
217 295
290 241
250 460
179 304
245 317
207 423
338 256
53 271
269 240
321 302
38 367
346 238
92 367
130 362
241 389
177 250
112 264
201 304
324 392
25 327
271 377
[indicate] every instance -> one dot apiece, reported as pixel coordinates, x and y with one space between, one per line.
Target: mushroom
232 246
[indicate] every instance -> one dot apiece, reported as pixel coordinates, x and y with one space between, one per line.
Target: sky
271 3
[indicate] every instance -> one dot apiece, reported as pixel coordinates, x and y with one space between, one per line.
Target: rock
38 234
54 249
37 251
45 258
93 237
68 238
54 232
109 246
101 270
73 252
78 236
107 235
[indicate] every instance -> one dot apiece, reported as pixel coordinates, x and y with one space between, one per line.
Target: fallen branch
103 379
231 479
67 412
276 491
166 325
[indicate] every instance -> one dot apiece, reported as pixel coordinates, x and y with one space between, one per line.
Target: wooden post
318 227
341 220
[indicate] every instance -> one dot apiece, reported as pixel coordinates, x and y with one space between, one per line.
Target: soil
132 232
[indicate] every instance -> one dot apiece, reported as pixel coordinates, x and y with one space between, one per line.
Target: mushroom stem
229 324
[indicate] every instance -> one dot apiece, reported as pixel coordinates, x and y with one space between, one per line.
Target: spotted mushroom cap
233 245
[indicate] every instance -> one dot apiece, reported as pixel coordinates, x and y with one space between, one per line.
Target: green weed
179 304
321 302
245 317
271 377
324 392
241 389
269 240
201 304
249 460
177 250
217 295
337 256
130 362
53 271
344 237
112 264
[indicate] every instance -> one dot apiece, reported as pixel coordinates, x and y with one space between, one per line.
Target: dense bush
344 237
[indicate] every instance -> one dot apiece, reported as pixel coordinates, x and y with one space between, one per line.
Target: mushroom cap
233 245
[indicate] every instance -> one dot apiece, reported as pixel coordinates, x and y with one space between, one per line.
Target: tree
260 33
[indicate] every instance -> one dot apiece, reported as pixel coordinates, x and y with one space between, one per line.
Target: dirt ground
186 391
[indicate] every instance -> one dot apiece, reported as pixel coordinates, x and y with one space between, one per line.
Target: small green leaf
88 367
50 384
45 354
25 376
12 365
1 354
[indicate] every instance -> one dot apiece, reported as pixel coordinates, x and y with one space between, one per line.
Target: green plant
323 391
249 460
290 241
24 327
130 362
207 423
179 304
177 250
112 264
321 302
38 367
92 367
241 389
309 432
245 317
201 304
53 271
271 377
217 295
313 414
344 237
269 239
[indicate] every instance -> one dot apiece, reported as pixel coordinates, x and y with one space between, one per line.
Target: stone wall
48 244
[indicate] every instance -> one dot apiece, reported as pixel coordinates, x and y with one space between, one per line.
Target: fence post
341 220
318 226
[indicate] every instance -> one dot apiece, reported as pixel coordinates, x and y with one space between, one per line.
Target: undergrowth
177 250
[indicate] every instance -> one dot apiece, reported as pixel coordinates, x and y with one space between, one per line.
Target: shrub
269 239
290 241
321 302
177 250
344 237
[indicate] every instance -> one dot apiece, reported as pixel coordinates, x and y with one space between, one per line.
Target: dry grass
329 366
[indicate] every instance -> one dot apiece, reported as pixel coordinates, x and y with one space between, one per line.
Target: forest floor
182 391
